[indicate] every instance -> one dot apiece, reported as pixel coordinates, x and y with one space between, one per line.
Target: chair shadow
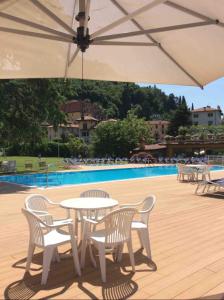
37 260
119 285
215 195
140 259
30 285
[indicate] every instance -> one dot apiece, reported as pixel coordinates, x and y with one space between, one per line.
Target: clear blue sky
212 94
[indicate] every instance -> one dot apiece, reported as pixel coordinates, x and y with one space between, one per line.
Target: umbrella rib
108 43
160 46
155 30
127 17
53 16
192 12
34 25
69 45
35 34
73 56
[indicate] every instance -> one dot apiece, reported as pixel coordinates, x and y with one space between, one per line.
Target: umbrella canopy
157 41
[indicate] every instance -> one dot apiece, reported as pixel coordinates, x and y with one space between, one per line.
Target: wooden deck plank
187 239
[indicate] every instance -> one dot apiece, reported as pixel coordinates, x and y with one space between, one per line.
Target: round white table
89 206
89 203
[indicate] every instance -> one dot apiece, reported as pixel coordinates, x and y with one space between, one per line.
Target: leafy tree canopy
25 105
181 117
120 137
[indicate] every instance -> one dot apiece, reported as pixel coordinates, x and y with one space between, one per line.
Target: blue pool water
68 178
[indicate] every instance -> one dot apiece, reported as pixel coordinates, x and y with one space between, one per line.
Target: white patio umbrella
156 41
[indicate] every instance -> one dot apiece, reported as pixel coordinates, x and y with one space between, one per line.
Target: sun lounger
8 166
28 165
209 186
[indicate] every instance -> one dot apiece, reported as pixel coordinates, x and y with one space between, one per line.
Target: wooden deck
187 239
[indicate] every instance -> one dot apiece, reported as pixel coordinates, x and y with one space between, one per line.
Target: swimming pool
84 177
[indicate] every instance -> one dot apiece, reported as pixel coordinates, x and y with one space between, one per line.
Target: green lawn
54 163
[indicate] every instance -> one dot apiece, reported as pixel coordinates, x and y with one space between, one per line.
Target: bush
74 147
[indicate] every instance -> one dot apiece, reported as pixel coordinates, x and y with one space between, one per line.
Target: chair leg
146 242
75 255
56 256
48 254
101 248
140 239
91 255
130 250
120 252
196 191
29 256
84 243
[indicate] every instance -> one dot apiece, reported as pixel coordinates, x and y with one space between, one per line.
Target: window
210 114
210 123
84 126
156 126
195 115
85 133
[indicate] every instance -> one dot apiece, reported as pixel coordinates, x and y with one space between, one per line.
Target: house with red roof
206 116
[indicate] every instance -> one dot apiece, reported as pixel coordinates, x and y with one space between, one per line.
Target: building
86 125
74 109
62 130
158 129
80 121
206 116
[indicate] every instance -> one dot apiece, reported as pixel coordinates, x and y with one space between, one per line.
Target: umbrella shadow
10 188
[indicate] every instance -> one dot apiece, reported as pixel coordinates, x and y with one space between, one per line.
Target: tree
25 105
181 117
77 146
120 137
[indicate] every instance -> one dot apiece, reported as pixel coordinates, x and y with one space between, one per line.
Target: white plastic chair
49 241
100 213
38 204
186 171
142 225
116 231
203 170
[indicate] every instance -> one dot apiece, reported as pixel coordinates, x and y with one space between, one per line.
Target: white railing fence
215 159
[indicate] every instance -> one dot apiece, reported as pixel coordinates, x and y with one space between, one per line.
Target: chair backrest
187 170
36 233
146 208
118 225
95 193
36 202
11 165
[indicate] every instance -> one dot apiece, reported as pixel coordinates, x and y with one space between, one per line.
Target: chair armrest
64 221
130 204
91 221
53 203
57 226
39 212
